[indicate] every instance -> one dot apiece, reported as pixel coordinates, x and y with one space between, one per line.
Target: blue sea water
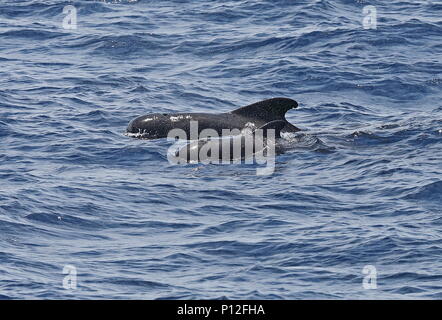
359 186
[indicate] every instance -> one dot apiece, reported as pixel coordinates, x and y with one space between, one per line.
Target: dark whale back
225 146
276 125
158 125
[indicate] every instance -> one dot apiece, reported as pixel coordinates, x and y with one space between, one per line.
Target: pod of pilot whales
233 135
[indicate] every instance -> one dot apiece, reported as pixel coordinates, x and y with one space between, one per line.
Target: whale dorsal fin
276 125
267 110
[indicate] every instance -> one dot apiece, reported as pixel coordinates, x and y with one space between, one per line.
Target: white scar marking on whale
150 119
177 118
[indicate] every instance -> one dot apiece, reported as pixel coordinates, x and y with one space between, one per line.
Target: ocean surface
87 212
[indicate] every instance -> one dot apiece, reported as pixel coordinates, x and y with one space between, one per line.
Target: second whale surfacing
261 142
158 125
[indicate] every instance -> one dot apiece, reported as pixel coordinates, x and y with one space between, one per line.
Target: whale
233 148
158 125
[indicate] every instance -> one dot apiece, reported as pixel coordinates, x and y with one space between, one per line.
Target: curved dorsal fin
267 110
